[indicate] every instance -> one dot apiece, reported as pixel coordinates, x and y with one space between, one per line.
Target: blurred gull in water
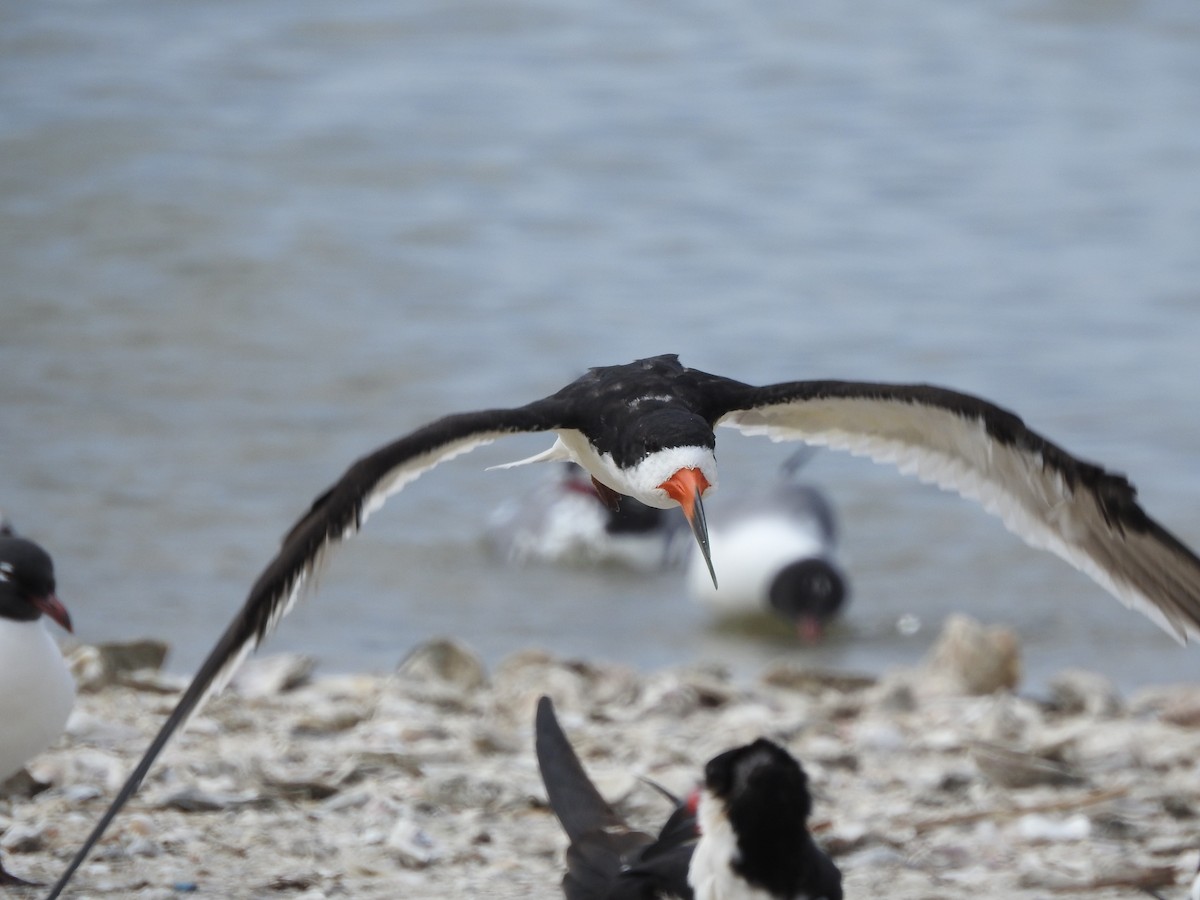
776 554
564 521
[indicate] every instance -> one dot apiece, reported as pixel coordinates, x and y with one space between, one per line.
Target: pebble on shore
928 783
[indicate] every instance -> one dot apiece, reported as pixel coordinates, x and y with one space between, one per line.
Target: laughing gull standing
36 690
646 430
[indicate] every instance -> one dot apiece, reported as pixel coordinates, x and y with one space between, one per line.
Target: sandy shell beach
423 783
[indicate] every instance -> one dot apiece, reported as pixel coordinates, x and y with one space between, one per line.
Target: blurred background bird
563 520
776 552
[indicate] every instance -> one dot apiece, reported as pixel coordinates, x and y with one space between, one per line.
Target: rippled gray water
244 244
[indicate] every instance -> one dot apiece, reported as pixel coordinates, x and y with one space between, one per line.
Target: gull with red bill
37 693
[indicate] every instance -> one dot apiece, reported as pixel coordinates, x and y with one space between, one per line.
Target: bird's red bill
685 487
809 629
51 606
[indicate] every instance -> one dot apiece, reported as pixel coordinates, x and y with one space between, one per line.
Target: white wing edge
392 483
955 453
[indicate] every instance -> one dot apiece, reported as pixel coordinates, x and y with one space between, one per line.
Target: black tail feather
573 797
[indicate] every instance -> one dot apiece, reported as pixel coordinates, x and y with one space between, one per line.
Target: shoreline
423 782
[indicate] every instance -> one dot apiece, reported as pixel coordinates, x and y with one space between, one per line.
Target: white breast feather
38 692
709 873
642 480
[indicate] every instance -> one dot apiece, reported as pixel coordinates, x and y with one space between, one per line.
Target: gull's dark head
27 583
808 593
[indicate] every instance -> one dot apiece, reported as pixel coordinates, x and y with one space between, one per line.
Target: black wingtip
233 641
545 719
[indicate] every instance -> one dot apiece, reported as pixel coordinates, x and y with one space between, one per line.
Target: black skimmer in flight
746 839
36 689
776 551
645 430
565 521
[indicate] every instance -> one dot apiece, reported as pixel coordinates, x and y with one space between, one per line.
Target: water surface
243 245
